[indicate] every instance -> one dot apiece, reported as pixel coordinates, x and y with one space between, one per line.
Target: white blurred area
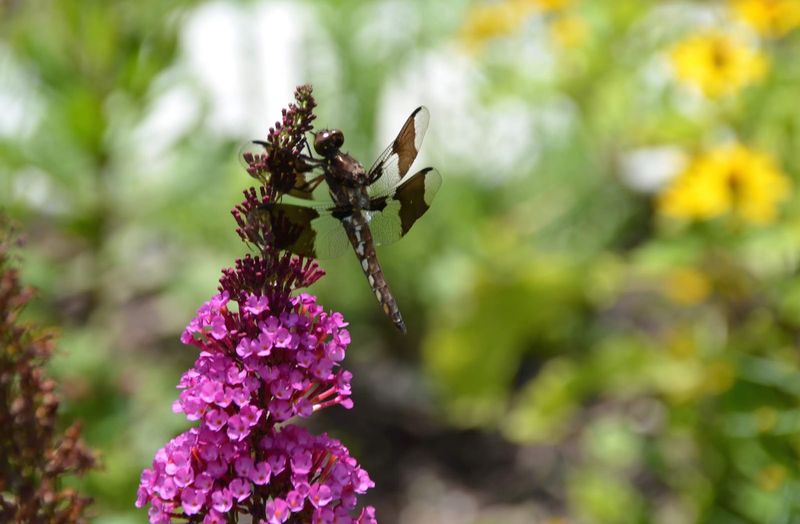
243 61
239 63
234 73
244 57
21 111
649 169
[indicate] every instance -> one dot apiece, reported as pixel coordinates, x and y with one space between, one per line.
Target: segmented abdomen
360 237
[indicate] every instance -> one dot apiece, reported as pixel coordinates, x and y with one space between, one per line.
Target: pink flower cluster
322 476
250 356
200 472
258 368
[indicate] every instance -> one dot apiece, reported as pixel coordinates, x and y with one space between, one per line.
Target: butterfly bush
266 356
292 357
38 456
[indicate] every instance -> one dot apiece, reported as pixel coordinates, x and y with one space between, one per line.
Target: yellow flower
774 18
486 22
549 5
766 417
687 286
717 63
569 31
719 377
772 477
729 179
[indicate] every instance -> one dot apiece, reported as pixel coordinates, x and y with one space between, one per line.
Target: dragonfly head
328 141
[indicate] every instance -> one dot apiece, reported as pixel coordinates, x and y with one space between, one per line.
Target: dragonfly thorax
346 171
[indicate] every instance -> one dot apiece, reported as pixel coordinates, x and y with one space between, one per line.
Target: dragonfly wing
393 164
391 216
309 231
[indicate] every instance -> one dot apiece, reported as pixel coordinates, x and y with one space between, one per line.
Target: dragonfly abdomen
361 238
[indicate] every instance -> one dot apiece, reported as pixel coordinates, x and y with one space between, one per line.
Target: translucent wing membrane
393 215
396 202
393 164
317 231
311 186
249 150
307 231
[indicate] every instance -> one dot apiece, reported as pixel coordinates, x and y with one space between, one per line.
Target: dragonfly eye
328 141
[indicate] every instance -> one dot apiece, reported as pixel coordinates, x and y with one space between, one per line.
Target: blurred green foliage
550 301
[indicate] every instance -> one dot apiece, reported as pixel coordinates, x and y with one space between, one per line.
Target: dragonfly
338 205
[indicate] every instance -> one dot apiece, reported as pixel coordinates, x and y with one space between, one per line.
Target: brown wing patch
391 217
291 227
404 145
412 199
393 164
307 231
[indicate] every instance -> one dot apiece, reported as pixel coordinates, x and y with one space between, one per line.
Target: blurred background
603 303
